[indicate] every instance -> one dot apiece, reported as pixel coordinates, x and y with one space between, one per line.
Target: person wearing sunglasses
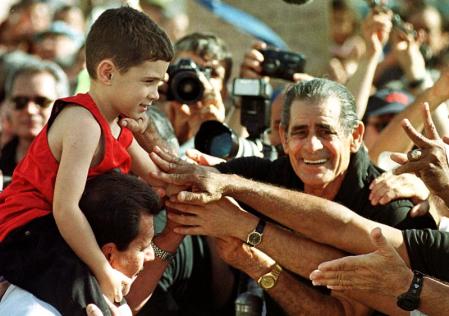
31 90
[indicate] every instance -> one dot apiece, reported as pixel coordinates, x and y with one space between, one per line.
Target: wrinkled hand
216 219
382 271
388 187
114 284
433 166
204 185
251 66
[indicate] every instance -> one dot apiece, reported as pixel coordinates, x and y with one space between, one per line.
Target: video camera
184 84
217 139
282 64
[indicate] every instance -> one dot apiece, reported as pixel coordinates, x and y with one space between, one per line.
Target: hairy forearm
294 252
303 212
434 297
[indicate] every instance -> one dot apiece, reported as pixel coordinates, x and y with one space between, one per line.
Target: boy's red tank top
30 194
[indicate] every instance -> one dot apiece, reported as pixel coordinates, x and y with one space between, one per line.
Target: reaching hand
204 183
430 161
382 271
221 218
376 29
203 159
388 187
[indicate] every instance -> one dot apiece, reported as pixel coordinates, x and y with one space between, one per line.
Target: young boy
127 56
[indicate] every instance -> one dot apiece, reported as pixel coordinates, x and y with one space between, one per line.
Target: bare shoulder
74 124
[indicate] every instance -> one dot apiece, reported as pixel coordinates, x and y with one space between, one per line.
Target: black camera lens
187 87
216 139
184 84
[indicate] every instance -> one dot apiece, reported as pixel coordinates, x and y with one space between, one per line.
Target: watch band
410 300
269 280
255 237
162 254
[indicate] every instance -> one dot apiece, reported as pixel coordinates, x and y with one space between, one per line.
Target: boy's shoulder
77 119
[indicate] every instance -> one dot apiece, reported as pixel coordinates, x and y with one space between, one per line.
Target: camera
255 97
184 84
396 19
217 139
282 64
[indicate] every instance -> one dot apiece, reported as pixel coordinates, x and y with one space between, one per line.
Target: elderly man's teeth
315 162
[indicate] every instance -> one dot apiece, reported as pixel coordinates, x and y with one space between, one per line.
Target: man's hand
251 66
432 165
382 271
202 159
388 187
376 30
204 183
114 284
217 219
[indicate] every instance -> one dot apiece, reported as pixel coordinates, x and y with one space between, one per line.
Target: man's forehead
329 107
204 61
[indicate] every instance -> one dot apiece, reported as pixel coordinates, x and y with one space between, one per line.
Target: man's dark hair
317 91
128 37
207 46
114 203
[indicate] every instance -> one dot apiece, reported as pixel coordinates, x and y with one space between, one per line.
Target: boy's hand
114 284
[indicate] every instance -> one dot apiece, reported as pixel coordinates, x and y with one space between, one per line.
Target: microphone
298 2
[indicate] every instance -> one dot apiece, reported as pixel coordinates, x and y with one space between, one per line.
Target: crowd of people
338 207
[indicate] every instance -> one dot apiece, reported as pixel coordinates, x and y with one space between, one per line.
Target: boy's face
136 89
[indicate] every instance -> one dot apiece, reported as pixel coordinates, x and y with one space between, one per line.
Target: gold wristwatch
269 280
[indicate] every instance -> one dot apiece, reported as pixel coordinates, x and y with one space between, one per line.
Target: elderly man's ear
357 137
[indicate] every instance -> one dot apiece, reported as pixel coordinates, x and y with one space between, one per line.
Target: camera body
184 84
282 64
255 97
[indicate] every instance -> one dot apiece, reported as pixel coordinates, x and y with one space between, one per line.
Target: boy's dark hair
113 204
207 46
128 37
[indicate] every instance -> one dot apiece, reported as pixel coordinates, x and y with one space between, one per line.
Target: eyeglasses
20 102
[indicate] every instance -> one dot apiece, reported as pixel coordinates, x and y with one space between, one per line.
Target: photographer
207 56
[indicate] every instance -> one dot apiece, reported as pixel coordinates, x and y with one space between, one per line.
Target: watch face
254 238
267 282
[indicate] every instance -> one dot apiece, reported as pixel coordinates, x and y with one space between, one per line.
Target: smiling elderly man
325 157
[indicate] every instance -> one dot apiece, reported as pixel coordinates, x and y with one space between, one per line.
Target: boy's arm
77 150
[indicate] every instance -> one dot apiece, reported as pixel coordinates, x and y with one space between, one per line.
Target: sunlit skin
318 147
127 93
130 261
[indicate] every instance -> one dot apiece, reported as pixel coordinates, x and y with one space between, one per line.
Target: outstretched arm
382 272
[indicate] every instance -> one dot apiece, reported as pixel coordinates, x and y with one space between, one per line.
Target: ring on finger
414 154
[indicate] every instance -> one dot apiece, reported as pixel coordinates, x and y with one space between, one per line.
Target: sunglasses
20 102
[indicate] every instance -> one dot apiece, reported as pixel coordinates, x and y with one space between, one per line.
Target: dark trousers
36 258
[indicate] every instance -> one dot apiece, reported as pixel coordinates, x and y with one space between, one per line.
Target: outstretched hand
432 166
201 184
382 271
